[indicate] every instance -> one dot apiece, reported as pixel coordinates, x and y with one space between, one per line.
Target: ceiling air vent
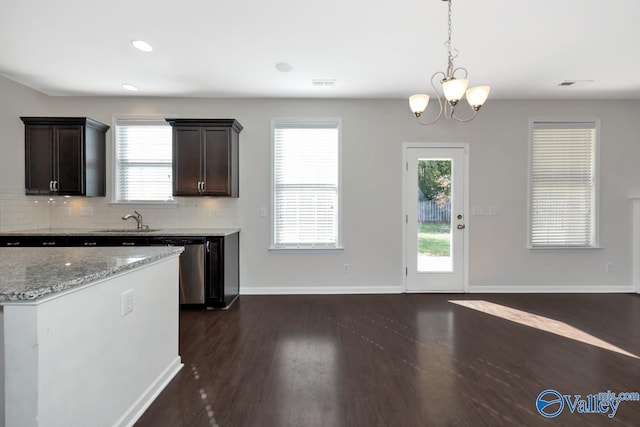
574 82
323 82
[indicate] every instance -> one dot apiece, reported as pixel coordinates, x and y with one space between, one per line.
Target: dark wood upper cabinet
205 157
65 156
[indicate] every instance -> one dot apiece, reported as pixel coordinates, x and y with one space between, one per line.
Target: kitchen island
211 259
89 335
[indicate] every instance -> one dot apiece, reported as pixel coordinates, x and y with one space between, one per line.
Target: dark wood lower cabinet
32 241
222 270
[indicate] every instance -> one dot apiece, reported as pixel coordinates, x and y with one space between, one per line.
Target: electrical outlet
608 267
346 268
127 302
263 211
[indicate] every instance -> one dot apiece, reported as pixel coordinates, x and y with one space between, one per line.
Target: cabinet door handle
48 243
51 186
55 186
208 246
128 244
13 244
90 243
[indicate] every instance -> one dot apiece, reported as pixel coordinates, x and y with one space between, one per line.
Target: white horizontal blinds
306 185
144 155
563 185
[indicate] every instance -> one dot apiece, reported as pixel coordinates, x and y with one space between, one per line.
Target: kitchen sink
127 230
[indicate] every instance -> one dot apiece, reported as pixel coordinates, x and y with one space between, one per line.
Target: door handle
461 226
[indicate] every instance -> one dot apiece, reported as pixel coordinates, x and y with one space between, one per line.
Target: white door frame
465 261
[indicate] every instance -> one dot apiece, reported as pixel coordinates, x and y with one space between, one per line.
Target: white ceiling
373 49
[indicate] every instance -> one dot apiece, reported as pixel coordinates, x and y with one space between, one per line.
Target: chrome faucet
138 218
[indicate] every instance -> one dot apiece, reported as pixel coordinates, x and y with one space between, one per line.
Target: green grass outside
434 239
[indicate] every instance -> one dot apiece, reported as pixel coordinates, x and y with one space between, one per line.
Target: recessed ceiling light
142 45
283 67
130 87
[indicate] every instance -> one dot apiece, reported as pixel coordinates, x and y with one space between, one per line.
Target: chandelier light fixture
453 88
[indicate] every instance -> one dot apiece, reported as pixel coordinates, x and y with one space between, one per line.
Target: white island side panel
75 360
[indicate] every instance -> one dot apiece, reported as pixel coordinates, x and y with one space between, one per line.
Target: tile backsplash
19 212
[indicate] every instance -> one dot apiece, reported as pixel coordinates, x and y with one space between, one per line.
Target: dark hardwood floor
402 360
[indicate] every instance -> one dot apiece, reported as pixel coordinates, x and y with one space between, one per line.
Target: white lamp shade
454 89
418 103
476 96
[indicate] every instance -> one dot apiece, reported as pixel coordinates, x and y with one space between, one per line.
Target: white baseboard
319 290
546 289
139 406
473 289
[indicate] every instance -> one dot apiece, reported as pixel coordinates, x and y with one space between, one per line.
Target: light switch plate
476 211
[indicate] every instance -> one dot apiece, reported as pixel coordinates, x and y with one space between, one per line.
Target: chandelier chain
451 56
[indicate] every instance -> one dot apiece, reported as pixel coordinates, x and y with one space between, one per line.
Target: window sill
302 250
563 248
169 204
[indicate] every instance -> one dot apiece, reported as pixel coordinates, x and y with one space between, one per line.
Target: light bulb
418 103
454 89
476 96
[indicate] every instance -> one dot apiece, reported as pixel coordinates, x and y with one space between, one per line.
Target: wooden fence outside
429 211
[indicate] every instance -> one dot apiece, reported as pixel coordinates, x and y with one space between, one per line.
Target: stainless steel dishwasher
192 279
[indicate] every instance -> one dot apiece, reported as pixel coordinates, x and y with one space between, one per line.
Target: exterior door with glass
435 217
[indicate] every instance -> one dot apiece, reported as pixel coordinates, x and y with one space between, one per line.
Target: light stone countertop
27 274
126 231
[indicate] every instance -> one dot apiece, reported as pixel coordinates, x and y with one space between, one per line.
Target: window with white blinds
306 178
143 161
563 198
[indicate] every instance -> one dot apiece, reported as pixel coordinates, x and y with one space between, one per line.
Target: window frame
301 122
119 121
596 177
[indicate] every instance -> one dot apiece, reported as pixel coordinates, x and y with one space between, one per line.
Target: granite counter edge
45 291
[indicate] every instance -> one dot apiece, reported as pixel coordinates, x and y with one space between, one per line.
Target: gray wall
373 133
